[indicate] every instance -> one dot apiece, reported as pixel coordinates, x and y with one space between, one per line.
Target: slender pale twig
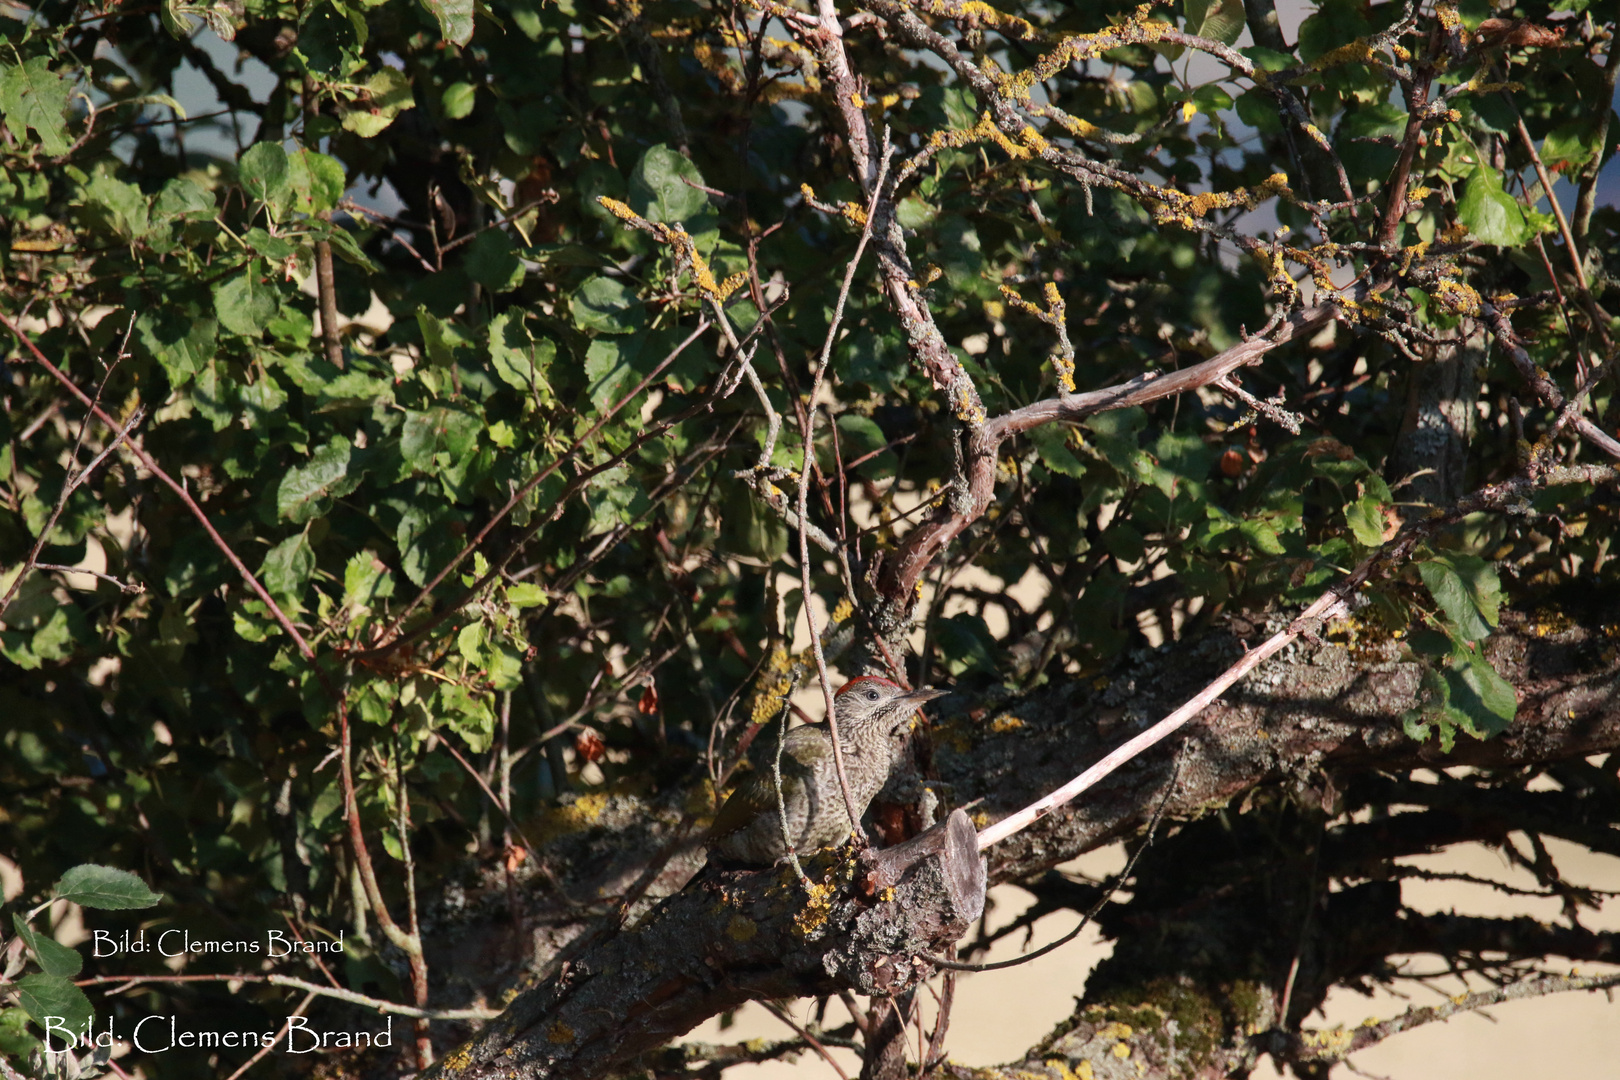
286 1025
1328 606
817 377
350 996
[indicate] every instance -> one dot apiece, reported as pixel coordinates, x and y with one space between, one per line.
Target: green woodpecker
874 716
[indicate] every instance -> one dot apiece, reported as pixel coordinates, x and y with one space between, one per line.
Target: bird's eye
871 695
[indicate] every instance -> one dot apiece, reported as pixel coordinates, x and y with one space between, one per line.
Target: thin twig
179 489
74 480
1330 605
818 376
123 586
951 964
813 1042
535 481
300 984
286 1025
781 797
500 804
1312 1046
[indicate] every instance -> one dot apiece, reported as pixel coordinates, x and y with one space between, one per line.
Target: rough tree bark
858 924
1309 723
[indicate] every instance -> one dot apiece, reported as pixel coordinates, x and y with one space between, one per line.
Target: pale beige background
998 1015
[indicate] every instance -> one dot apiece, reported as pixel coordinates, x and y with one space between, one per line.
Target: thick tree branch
729 938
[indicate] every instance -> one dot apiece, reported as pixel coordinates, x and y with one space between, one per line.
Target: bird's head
873 703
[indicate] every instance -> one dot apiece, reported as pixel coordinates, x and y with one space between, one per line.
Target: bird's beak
914 699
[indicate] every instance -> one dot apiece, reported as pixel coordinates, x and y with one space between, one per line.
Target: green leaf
1379 119
1365 517
1261 535
120 205
470 643
54 640
492 263
749 527
1570 145
1220 20
1468 591
34 96
208 397
466 715
366 580
307 491
287 568
438 437
455 18
439 338
608 306
1491 214
428 537
609 369
263 172
54 958
525 595
54 1003
246 302
315 180
328 41
106 888
388 93
15 1041
179 338
517 359
1484 701
182 199
963 641
458 100
1124 542
1052 445
658 187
